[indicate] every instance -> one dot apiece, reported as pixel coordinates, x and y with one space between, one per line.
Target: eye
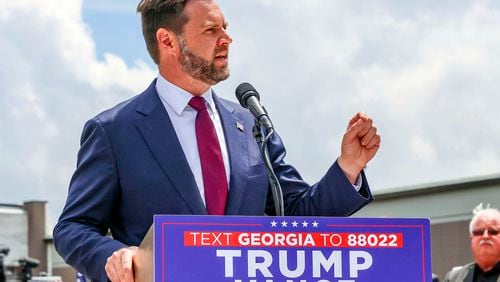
210 30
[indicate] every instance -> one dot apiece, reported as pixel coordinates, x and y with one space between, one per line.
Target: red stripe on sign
292 239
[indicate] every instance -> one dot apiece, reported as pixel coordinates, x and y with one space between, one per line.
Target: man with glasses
485 246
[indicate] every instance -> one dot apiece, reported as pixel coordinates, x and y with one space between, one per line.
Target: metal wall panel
14 232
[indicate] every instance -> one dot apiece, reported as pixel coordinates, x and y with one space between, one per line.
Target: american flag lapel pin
239 125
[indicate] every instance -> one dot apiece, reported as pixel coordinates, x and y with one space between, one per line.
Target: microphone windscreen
243 91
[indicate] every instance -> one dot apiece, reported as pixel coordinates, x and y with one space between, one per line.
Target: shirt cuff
359 182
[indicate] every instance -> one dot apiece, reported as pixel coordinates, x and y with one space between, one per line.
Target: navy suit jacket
131 166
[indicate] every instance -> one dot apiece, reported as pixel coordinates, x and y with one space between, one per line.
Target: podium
143 261
286 249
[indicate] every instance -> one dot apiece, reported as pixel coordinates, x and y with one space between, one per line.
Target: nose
225 39
488 232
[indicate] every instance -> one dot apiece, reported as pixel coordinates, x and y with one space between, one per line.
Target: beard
200 68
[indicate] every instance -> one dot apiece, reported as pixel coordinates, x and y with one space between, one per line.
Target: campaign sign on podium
290 249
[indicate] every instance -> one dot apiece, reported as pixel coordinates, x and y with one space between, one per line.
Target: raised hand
359 145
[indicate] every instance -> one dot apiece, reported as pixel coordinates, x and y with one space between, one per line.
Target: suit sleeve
447 277
79 236
460 273
333 195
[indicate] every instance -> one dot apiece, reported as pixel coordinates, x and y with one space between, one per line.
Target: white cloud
426 71
51 83
422 149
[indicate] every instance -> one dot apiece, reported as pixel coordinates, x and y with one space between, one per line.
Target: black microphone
249 99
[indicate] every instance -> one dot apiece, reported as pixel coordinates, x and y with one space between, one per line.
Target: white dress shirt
183 119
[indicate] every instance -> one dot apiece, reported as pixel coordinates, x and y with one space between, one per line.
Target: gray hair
482 212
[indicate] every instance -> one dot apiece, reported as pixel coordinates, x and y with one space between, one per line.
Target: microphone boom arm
274 183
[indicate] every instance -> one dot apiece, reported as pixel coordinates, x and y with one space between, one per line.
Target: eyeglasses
480 232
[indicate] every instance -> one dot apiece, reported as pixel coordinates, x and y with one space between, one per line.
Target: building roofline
438 187
35 201
11 206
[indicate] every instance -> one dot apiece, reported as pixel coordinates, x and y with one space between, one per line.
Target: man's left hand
359 145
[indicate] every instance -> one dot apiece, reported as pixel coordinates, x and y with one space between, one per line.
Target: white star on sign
273 223
284 224
295 223
305 223
315 224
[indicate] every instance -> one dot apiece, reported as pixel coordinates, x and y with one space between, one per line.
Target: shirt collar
495 269
178 98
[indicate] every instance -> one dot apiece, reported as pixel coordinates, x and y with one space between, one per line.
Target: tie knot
197 103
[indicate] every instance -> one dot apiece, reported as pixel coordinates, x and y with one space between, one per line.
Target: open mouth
221 59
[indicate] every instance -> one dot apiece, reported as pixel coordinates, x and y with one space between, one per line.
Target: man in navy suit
142 158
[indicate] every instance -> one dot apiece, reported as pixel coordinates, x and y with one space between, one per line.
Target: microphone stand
273 180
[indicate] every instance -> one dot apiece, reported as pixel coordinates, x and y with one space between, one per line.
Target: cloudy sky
426 71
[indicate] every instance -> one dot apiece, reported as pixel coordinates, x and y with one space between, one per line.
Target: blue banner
291 249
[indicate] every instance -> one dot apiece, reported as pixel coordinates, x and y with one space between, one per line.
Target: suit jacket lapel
236 142
159 134
470 268
470 273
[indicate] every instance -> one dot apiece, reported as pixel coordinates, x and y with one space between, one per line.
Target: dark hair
157 14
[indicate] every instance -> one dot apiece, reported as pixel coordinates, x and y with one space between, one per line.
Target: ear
167 41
